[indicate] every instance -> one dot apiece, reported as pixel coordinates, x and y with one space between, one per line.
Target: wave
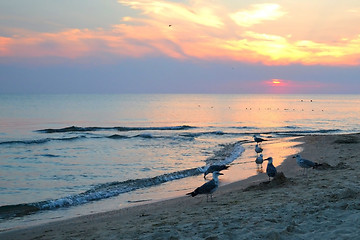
142 135
198 134
117 136
48 155
40 141
114 136
120 129
244 127
145 135
99 192
303 132
185 135
227 154
46 140
291 127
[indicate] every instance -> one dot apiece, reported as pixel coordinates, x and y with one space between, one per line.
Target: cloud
197 30
170 13
4 45
257 14
273 49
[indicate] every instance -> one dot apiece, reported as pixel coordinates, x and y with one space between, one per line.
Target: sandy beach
324 204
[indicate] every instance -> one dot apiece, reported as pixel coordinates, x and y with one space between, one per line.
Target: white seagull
304 163
208 188
259 161
258 149
214 168
270 169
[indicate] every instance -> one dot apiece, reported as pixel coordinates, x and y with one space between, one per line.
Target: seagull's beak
267 159
221 173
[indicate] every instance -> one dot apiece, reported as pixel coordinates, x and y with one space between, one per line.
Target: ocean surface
63 156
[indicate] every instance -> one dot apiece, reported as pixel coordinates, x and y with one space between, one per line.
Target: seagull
214 168
258 149
270 169
304 163
259 160
258 140
208 188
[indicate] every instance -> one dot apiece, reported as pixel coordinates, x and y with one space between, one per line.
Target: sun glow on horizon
277 85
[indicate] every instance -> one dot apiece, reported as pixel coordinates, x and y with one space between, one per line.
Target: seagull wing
271 170
258 149
207 188
308 163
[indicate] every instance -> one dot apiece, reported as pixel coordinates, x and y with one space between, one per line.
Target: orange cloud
195 30
4 46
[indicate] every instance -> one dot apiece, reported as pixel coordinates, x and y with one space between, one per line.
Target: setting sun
278 85
276 81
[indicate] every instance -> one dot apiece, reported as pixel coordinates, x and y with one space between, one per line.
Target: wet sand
324 204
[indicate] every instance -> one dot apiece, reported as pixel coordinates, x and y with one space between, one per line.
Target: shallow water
130 149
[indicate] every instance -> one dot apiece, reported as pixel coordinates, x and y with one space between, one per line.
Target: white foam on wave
238 150
225 155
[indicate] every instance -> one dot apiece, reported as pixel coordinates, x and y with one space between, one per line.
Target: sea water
63 156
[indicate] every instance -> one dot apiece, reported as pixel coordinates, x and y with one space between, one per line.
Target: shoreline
241 169
274 212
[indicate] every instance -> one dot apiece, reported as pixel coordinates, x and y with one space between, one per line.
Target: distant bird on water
270 169
258 140
304 163
259 161
208 188
258 149
214 168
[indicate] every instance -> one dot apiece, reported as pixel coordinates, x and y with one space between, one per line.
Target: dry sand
325 204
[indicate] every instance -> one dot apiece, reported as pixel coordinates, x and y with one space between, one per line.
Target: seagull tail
226 167
317 165
193 194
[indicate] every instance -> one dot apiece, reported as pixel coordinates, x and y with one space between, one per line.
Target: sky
212 46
